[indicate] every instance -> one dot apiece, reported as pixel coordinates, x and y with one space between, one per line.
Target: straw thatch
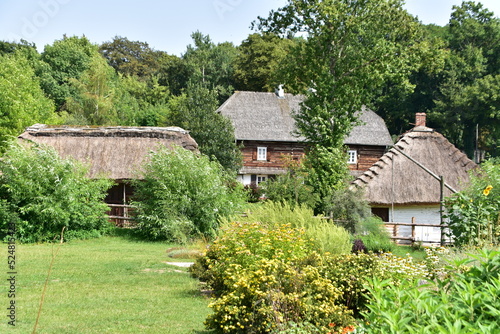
267 117
395 179
114 152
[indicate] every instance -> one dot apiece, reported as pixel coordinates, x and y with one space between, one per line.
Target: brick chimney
420 119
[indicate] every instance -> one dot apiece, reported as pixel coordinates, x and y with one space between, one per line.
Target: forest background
454 78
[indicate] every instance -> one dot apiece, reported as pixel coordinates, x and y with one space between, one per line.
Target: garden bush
374 235
465 302
326 236
270 278
291 187
40 193
183 195
267 277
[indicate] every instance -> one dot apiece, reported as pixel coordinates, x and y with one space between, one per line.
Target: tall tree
211 64
94 101
67 58
22 102
350 48
195 111
258 61
468 94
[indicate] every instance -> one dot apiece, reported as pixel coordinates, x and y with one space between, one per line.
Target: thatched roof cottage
264 127
116 152
403 183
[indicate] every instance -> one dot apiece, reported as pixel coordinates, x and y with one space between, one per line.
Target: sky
165 25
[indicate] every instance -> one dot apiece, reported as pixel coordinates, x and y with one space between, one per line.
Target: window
352 156
261 153
261 178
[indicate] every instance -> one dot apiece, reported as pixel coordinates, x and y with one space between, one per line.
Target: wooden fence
121 215
393 229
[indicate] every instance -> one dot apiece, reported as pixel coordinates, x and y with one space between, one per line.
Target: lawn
108 285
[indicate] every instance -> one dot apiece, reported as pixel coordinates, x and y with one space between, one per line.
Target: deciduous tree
349 49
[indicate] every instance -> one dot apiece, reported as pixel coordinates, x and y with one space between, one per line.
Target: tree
195 111
211 65
467 96
22 102
397 102
67 58
258 61
94 101
350 48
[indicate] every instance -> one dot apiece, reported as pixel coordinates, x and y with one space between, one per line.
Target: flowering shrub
275 294
474 214
268 279
349 274
325 235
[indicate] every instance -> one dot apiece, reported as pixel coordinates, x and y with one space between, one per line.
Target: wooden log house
264 128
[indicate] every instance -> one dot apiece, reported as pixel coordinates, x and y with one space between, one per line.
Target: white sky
166 25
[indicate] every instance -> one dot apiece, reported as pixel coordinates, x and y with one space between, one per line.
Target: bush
375 237
41 193
183 195
291 187
474 213
266 278
327 237
467 302
273 295
348 208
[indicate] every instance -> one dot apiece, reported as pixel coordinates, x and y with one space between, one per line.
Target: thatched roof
115 152
266 117
396 179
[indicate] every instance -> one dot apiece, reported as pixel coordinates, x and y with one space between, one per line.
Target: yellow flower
487 190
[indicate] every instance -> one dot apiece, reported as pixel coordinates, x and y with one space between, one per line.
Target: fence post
413 230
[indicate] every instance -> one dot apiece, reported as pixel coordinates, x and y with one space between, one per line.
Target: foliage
45 193
22 102
350 45
474 213
210 65
94 100
374 235
183 195
290 187
327 172
264 277
325 235
467 302
258 61
214 133
66 58
348 208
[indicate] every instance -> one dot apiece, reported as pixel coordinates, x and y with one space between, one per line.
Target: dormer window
352 157
262 153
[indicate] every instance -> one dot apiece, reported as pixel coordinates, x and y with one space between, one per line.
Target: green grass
107 285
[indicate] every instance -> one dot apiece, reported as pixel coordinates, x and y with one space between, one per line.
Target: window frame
261 178
261 153
352 157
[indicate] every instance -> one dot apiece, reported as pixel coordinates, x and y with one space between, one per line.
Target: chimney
420 119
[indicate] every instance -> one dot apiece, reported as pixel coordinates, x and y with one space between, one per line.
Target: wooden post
441 208
412 230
